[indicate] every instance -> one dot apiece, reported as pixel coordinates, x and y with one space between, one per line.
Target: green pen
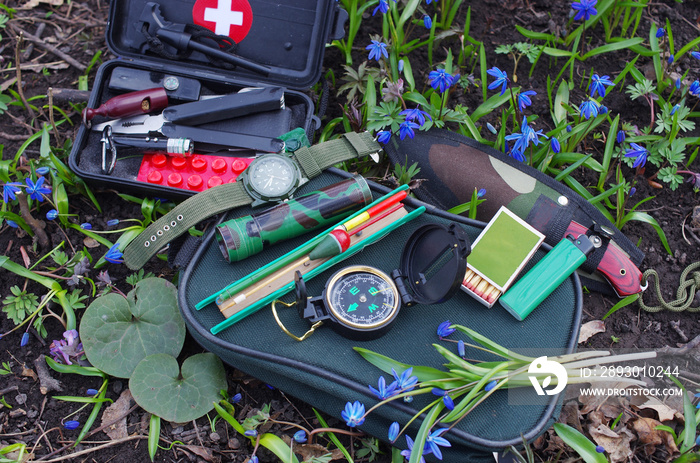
546 275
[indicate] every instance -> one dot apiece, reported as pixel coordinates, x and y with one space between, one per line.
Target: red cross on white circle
232 18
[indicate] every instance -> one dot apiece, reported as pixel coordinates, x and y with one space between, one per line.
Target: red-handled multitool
180 121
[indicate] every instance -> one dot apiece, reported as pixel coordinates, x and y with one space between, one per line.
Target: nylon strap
684 296
312 160
183 216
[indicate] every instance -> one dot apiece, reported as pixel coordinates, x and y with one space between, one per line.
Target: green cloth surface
326 372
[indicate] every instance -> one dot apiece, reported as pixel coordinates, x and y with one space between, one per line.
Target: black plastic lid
288 37
434 262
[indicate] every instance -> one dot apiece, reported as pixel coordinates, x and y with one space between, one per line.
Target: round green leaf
117 332
160 387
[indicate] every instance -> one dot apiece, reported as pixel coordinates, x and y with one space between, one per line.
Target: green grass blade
74 369
565 173
577 441
623 303
277 446
607 155
153 436
646 218
333 438
688 434
621 45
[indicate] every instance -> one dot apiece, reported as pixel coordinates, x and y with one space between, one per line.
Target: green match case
545 276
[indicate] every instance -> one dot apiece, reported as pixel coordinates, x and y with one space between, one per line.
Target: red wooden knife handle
622 274
617 268
130 104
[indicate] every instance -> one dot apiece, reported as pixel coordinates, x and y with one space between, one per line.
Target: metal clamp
109 150
290 334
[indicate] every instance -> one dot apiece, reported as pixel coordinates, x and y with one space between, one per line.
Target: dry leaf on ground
589 329
117 411
650 437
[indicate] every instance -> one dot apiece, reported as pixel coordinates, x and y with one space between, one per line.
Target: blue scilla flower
383 7
568 128
405 381
114 255
522 139
401 65
25 339
491 128
584 9
384 136
490 385
37 190
393 432
598 84
555 145
415 115
300 436
694 88
460 349
678 83
697 441
254 459
377 50
674 109
633 190
435 440
86 226
524 99
671 59
480 194
600 448
112 222
383 391
501 79
695 54
353 414
12 223
52 214
517 155
427 22
603 109
92 392
440 80
236 398
72 424
42 170
251 433
406 129
660 32
639 153
445 329
620 136
589 108
9 190
407 453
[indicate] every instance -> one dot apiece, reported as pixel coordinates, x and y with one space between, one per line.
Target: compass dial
362 298
272 176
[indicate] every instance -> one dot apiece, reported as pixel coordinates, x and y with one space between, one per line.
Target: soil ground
77 29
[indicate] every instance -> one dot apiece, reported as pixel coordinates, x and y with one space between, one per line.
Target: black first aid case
228 76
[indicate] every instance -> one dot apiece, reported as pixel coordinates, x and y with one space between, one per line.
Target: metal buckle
108 149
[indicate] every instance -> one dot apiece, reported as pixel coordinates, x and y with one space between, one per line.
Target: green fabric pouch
326 372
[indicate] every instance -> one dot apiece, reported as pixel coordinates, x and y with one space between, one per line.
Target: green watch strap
185 215
314 159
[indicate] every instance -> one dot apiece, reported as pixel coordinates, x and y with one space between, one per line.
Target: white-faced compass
362 302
